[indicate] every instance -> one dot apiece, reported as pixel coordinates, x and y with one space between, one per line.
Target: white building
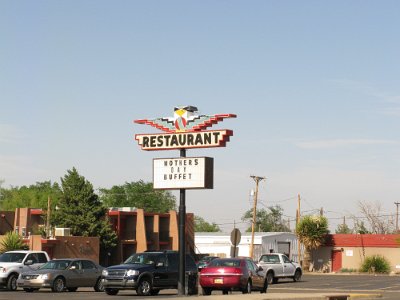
219 244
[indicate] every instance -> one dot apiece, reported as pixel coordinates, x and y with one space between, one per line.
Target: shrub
347 270
12 241
376 264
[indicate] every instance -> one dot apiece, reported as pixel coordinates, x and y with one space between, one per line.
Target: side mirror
29 262
259 269
72 268
160 264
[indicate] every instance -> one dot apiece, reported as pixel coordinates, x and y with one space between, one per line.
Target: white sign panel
183 173
349 252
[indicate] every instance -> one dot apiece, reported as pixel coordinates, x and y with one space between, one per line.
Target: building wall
354 248
137 231
219 244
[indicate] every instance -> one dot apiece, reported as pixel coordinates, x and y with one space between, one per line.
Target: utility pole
48 230
297 222
397 216
257 179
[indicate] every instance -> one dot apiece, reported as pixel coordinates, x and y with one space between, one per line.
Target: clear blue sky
315 85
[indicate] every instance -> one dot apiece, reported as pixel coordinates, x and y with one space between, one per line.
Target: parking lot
311 287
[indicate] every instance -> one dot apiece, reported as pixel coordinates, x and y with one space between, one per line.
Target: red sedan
228 274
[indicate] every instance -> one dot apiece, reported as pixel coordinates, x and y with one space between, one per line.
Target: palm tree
12 241
311 232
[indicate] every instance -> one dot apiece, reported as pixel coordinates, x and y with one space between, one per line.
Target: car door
276 264
90 273
173 269
33 264
256 278
288 267
74 274
160 275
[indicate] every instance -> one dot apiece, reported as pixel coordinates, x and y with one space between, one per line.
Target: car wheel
12 282
144 287
73 289
265 287
30 290
99 287
247 289
270 277
111 292
297 276
207 291
58 285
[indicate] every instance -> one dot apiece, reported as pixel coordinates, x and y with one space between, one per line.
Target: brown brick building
137 231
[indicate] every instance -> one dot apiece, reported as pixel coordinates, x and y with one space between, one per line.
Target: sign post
186 130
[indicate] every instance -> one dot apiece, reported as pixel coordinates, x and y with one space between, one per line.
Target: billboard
183 173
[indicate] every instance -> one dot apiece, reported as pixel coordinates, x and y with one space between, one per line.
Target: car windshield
224 263
141 258
14 257
56 265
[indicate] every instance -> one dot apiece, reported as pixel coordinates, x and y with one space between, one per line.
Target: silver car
63 274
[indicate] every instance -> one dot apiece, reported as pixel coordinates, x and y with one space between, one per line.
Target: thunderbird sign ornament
184 131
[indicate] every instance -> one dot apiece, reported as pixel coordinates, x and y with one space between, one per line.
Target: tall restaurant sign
184 131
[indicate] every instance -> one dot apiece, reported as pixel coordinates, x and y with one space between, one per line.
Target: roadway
310 287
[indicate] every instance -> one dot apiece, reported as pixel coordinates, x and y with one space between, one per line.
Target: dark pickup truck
148 273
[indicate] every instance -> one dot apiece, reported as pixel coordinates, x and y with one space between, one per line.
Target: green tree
311 232
80 209
140 195
34 196
267 221
360 228
12 241
343 229
200 225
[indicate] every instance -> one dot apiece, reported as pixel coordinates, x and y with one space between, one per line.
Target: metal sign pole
182 240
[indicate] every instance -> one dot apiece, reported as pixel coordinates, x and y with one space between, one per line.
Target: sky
314 85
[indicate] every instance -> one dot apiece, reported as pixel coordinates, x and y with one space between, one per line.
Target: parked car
13 263
148 273
227 274
204 262
278 265
63 274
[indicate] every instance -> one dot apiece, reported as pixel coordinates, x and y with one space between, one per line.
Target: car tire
145 287
206 291
99 287
58 285
270 277
12 282
72 289
297 276
111 292
247 289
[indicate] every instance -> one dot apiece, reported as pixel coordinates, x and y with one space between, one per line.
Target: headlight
2 269
104 273
44 276
132 272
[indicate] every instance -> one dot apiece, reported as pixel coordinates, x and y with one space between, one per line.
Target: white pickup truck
13 263
278 265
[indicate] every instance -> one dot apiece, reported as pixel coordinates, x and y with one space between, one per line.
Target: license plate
219 280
